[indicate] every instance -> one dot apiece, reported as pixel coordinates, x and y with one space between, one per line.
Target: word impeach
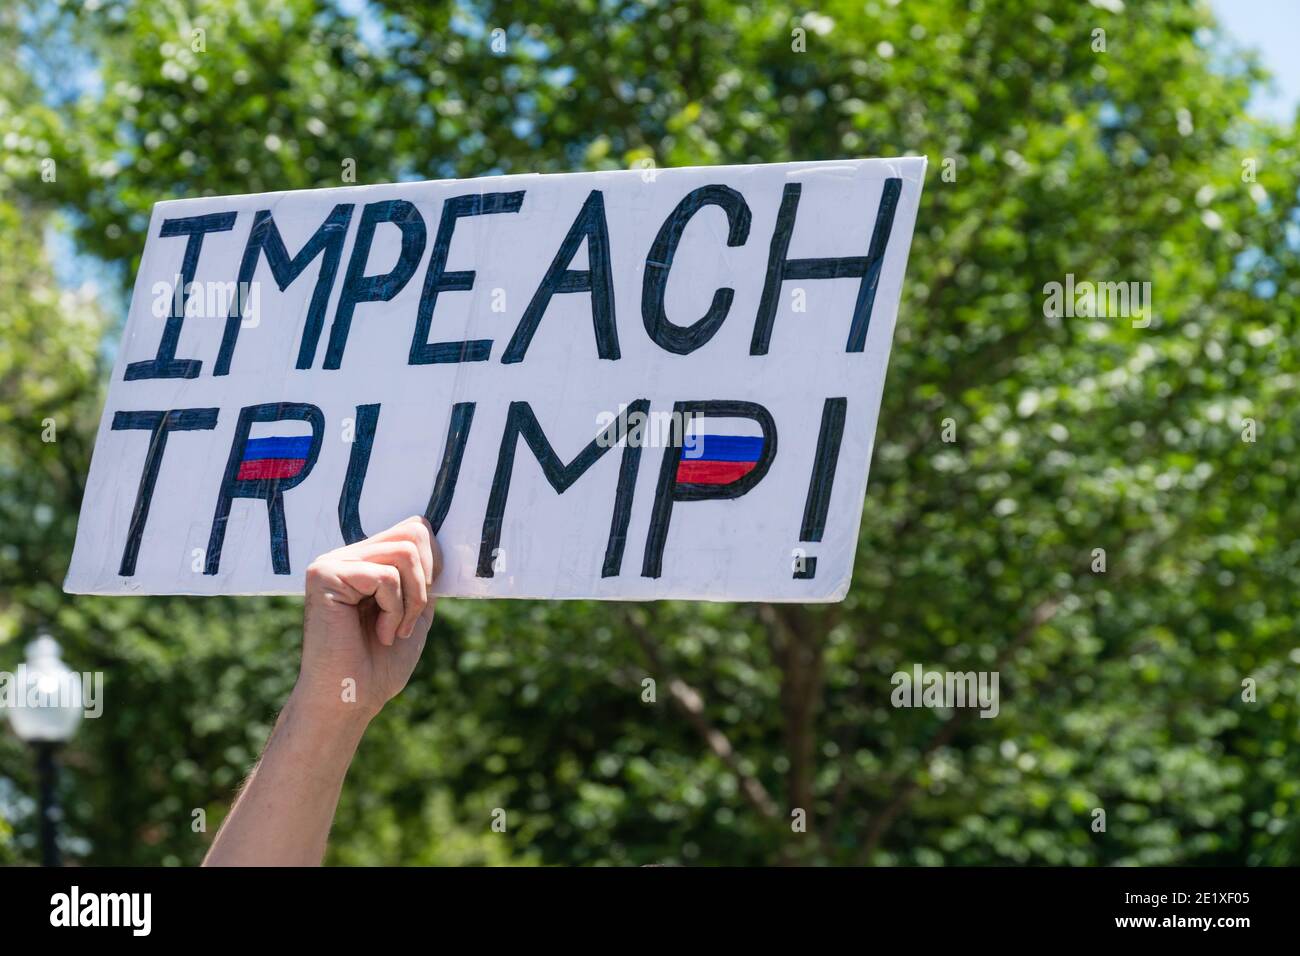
624 385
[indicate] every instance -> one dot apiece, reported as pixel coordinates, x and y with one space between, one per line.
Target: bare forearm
365 620
283 815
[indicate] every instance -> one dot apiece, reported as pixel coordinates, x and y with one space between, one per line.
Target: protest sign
623 385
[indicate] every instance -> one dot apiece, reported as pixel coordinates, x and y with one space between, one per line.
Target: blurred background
1157 150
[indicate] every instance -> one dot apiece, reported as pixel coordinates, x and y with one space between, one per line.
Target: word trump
436 348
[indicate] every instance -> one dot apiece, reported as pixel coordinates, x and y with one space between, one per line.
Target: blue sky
1273 28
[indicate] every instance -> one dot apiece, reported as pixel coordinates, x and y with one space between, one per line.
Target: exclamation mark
823 478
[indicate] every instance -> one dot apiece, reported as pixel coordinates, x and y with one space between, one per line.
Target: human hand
367 616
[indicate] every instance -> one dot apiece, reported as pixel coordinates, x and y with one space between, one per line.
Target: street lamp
47 707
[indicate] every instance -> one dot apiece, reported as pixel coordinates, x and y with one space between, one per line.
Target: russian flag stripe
270 468
712 472
295 447
725 448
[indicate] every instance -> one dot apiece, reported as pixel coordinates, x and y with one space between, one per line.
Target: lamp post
45 714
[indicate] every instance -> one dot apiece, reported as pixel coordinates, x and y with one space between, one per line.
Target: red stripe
712 472
270 468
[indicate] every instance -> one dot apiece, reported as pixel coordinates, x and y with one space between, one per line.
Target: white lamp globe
47 702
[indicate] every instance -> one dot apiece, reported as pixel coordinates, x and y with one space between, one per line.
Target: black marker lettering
264 238
671 489
781 269
520 421
444 487
359 287
161 424
686 339
825 461
437 280
165 364
363 438
270 488
453 452
598 279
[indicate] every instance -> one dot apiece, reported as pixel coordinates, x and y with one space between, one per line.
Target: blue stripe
258 449
724 448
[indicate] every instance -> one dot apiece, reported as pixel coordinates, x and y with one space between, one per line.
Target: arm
365 621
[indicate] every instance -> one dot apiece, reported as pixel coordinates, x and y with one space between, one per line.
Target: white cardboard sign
621 385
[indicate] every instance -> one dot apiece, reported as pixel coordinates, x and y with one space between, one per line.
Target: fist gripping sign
593 385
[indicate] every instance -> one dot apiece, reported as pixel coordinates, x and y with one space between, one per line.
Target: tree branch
907 789
691 703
